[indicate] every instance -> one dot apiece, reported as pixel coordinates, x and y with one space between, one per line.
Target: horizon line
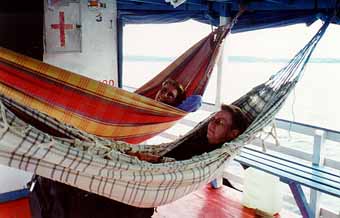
240 59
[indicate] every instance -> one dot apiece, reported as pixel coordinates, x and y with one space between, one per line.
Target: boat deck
213 203
205 203
13 209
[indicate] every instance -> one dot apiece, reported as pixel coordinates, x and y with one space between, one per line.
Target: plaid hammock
101 109
101 166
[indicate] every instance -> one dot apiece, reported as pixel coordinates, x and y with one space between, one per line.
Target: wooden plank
285 175
296 174
282 150
300 200
18 208
208 202
312 170
330 174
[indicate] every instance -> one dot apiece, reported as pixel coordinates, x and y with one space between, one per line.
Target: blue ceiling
260 13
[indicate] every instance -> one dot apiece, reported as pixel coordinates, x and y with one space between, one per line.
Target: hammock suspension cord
287 76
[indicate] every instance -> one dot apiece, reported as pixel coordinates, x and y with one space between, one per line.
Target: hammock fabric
100 109
100 166
192 70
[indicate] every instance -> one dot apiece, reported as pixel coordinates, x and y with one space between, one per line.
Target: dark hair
239 120
181 95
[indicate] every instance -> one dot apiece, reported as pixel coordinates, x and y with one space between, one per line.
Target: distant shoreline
239 59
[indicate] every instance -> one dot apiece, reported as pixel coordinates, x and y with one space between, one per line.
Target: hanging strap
274 92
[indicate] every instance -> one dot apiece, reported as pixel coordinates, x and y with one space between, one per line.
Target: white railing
320 135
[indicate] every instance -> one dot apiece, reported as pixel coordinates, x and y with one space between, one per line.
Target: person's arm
152 158
145 156
191 103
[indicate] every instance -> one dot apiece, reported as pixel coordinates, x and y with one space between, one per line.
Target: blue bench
295 174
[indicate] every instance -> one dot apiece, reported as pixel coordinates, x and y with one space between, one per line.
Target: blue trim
301 200
293 172
259 15
161 16
214 184
159 7
120 29
267 5
276 159
13 195
224 9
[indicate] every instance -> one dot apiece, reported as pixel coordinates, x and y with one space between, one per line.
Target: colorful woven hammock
100 165
100 109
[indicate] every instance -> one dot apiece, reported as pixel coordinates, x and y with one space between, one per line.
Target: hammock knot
4 119
263 135
17 128
46 145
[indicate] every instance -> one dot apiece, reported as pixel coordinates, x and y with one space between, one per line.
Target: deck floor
212 203
205 203
15 209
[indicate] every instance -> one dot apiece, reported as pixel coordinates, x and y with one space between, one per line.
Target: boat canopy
260 13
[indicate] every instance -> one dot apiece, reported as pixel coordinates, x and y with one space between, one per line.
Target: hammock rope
287 76
100 165
194 84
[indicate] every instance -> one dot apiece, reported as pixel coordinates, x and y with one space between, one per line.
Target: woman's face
167 94
219 128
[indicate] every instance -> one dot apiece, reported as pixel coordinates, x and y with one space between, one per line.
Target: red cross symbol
62 26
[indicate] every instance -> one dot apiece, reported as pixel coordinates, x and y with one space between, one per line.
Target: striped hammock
101 109
100 166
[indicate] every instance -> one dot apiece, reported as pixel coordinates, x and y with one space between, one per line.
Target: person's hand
146 156
149 157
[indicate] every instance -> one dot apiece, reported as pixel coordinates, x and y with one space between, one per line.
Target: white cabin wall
98 58
12 179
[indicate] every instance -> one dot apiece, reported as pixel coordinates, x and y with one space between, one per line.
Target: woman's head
171 93
226 125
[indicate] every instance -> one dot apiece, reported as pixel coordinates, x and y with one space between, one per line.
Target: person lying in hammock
57 200
172 93
226 125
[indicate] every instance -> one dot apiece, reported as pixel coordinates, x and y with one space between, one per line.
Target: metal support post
223 21
318 160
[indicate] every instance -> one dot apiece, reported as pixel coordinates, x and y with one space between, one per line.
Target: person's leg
51 199
105 207
47 199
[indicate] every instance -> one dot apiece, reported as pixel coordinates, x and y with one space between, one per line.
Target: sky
166 40
314 101
172 39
